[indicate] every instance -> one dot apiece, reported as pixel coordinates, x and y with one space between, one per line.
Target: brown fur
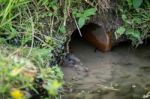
95 35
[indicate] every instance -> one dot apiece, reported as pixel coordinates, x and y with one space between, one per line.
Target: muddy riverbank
122 73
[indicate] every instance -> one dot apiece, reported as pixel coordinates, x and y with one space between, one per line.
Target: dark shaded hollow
94 35
100 34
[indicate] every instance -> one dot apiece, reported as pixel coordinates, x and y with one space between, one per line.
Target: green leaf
2 40
125 19
137 20
133 33
81 22
134 36
89 12
76 13
79 15
137 34
137 3
50 14
52 87
119 31
130 32
62 29
129 3
3 1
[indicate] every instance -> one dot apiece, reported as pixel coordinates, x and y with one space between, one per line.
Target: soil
122 73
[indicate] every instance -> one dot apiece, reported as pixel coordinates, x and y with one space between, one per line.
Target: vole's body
96 35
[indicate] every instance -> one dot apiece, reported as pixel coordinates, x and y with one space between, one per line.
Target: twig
51 28
90 3
77 25
17 50
42 41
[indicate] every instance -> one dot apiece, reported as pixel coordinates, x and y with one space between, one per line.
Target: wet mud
122 73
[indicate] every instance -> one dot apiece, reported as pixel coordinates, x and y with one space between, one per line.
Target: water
125 68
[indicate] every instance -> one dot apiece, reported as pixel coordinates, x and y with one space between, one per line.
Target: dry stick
65 13
17 50
42 41
51 28
89 2
77 25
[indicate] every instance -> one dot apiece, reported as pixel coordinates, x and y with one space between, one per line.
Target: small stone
86 69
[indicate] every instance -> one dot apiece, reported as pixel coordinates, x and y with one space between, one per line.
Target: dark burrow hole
89 36
90 28
80 46
102 43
